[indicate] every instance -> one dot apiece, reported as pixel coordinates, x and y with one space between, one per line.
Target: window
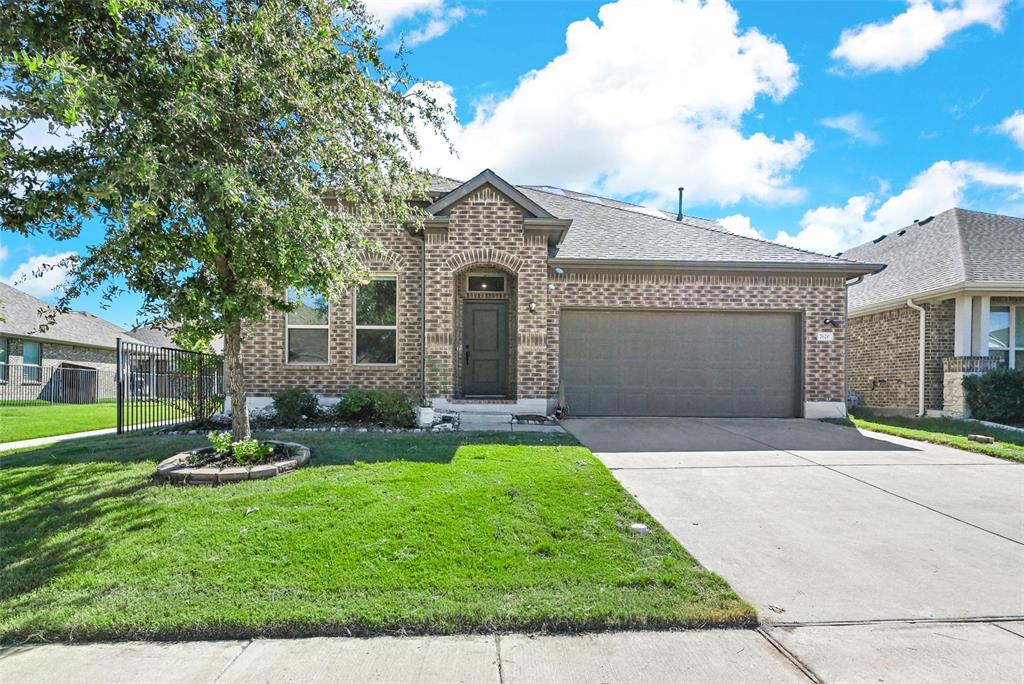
485 283
376 315
307 329
3 359
1006 335
32 357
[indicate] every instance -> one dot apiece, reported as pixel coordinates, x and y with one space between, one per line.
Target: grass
1009 444
31 419
444 533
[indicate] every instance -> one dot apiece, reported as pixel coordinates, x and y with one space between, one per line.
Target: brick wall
56 354
263 346
816 297
883 355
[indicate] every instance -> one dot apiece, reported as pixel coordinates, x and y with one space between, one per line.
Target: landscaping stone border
174 470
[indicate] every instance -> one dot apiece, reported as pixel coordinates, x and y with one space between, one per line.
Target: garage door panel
680 363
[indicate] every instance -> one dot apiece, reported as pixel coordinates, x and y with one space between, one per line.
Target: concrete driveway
866 556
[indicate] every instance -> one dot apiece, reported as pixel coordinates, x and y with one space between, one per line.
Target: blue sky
817 124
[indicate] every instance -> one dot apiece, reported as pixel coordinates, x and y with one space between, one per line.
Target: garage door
670 363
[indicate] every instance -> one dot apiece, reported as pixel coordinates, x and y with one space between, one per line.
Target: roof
487 177
609 232
22 319
955 248
154 336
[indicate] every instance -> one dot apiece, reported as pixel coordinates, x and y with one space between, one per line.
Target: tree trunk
236 382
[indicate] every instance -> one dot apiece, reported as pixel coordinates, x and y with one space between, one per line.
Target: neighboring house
529 296
156 337
965 270
74 341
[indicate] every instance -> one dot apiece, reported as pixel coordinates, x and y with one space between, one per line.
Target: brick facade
817 298
883 355
486 231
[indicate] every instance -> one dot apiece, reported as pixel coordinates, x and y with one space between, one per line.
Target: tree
206 135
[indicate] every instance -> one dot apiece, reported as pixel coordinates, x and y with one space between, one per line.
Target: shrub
221 441
384 407
249 451
357 405
997 395
394 409
292 404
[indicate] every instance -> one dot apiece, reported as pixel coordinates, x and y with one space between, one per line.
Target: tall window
1006 335
307 329
32 357
376 318
3 359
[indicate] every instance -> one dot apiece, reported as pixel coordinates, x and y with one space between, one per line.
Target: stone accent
883 356
174 470
954 370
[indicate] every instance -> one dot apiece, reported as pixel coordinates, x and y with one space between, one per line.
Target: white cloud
3 253
740 225
649 97
908 38
41 134
437 15
390 12
44 284
854 125
436 27
1013 126
945 184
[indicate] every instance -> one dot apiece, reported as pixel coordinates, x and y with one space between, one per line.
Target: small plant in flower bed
247 452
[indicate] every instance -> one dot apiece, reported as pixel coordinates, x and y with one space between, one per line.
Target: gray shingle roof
955 247
22 319
154 336
604 229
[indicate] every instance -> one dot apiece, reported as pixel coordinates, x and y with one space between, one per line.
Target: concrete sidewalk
699 656
53 439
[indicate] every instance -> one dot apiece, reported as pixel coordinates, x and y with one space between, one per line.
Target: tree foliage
205 135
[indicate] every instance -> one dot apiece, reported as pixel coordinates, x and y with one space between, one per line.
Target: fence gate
162 386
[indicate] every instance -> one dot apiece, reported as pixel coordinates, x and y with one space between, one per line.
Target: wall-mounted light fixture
532 306
834 322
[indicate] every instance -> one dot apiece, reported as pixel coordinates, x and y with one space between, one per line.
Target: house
76 343
520 298
950 302
154 336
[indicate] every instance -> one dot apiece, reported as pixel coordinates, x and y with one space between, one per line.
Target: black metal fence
161 386
26 383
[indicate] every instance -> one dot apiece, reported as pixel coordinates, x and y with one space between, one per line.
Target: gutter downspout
846 335
423 318
920 364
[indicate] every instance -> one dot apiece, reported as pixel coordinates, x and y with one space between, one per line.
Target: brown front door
485 348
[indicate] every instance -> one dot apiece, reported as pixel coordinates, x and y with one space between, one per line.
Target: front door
485 348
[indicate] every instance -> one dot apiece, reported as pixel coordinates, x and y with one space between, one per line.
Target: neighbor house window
32 358
376 317
3 359
485 283
307 329
1006 335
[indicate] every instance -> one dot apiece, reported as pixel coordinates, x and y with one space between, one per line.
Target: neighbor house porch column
962 331
979 328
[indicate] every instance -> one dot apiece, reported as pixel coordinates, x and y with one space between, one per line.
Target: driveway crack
790 656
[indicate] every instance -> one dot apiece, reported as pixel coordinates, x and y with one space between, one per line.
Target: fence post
119 391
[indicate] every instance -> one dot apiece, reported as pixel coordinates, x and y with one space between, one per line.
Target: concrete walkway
698 656
53 439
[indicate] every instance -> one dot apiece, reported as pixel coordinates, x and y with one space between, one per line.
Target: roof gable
488 177
20 312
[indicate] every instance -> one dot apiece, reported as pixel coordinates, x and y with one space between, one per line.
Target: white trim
287 338
981 328
962 326
384 275
1008 288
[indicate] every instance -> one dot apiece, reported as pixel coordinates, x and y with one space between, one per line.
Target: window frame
487 274
356 327
287 337
37 368
1013 345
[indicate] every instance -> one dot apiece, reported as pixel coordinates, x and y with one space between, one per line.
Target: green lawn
1009 444
382 533
28 420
